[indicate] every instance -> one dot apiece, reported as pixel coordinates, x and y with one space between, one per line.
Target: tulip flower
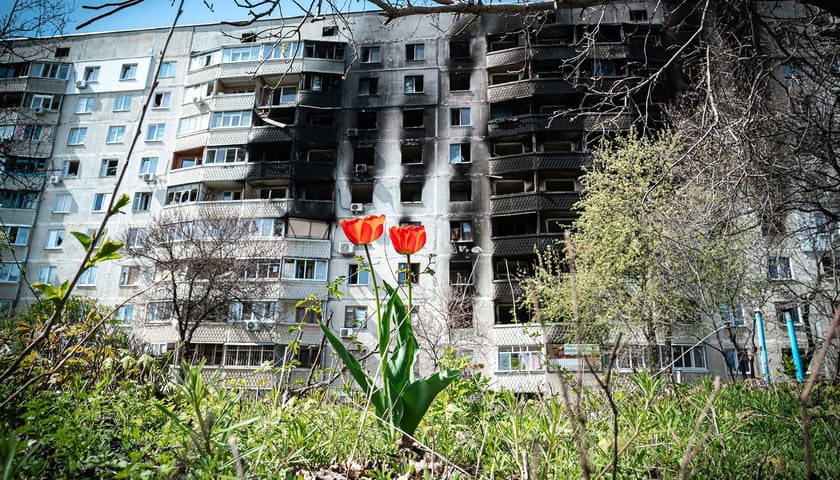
363 231
408 239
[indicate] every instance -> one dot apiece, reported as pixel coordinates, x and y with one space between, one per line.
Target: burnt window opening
559 185
638 15
558 225
361 193
514 225
510 269
319 155
502 42
460 191
319 82
508 187
248 37
326 119
506 315
499 78
364 155
413 84
315 191
62 52
459 82
459 153
415 52
460 231
460 273
412 154
366 120
413 118
274 193
459 49
411 192
329 31
279 152
368 86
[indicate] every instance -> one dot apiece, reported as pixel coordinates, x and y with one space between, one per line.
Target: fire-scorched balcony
532 202
531 88
531 161
301 133
521 245
533 123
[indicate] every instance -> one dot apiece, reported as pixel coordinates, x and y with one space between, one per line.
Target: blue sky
159 13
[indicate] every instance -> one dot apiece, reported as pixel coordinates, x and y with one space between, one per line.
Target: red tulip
362 231
408 239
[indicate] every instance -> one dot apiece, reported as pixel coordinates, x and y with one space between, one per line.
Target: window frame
77 136
358 275
122 103
109 167
59 206
411 52
54 239
529 356
355 316
88 277
141 202
128 72
155 132
167 69
370 54
410 85
116 134
100 202
459 115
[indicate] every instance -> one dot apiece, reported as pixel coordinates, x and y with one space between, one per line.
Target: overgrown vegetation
130 426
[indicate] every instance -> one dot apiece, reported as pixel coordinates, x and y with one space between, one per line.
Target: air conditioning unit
80 84
361 168
198 100
252 326
55 179
352 132
38 110
147 177
357 207
345 332
346 248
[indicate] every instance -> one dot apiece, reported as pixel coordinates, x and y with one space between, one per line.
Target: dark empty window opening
459 49
638 15
329 31
62 52
507 187
323 156
413 84
411 191
273 193
248 37
361 193
514 225
560 185
510 269
460 231
368 86
413 118
364 156
310 191
558 225
324 119
506 315
459 82
460 191
460 273
366 120
412 154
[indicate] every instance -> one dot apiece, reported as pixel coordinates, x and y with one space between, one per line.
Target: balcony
506 291
35 84
532 202
258 208
301 133
275 67
319 99
523 124
624 50
532 161
524 244
230 102
530 88
516 55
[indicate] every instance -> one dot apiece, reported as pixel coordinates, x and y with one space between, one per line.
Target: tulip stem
408 279
375 287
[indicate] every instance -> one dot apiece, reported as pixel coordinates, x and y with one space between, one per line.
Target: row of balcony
239 136
531 123
257 208
248 70
251 171
518 55
531 161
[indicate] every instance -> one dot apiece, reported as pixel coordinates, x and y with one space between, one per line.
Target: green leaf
107 251
355 369
121 202
83 239
418 397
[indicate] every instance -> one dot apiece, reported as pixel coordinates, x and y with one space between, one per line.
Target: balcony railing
531 161
522 124
525 244
258 208
532 202
530 88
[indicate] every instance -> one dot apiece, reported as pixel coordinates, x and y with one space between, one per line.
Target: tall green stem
375 287
408 274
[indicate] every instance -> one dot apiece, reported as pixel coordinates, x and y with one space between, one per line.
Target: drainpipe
759 327
794 347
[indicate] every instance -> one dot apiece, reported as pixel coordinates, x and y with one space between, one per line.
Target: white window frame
125 315
48 274
63 203
142 202
148 165
683 353
122 103
84 105
155 132
18 235
415 52
167 69
88 277
529 358
9 272
457 153
298 268
370 54
77 136
233 119
159 312
116 134
107 165
100 202
129 275
55 239
91 74
128 71
161 100
358 275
